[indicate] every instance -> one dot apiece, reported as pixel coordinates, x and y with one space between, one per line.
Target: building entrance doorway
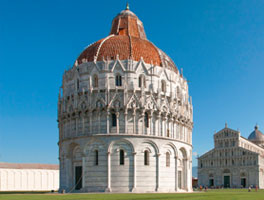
211 182
78 177
226 181
243 182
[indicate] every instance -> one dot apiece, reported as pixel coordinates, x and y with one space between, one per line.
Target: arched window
167 159
113 119
121 157
146 157
163 86
168 133
141 81
95 81
118 80
96 157
146 120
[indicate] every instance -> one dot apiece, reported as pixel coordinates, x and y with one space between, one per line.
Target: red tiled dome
127 40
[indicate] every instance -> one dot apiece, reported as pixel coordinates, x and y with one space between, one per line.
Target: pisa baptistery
125 117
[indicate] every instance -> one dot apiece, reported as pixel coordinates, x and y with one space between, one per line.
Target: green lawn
226 194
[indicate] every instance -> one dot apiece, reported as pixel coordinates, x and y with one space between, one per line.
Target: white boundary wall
29 179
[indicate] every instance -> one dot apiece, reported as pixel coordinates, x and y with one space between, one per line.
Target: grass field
223 194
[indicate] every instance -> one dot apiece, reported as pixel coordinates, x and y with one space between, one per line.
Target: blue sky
219 45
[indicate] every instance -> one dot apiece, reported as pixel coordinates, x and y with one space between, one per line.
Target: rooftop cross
127 6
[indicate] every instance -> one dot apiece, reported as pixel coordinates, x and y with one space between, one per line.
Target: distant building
194 182
234 162
28 177
125 117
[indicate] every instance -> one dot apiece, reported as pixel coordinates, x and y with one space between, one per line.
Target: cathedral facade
125 117
234 162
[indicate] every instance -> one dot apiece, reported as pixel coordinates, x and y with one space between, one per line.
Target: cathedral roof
256 136
127 40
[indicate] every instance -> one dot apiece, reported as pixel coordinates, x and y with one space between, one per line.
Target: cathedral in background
125 117
234 162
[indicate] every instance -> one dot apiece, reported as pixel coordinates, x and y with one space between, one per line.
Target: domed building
257 137
234 162
125 117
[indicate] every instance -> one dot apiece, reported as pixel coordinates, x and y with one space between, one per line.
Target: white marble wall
85 122
29 180
133 176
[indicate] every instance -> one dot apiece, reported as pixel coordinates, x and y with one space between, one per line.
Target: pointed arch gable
134 99
117 64
116 98
93 68
151 103
141 65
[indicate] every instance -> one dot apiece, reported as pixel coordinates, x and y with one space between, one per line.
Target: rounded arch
153 144
243 174
175 151
120 141
77 153
146 149
92 145
71 148
184 152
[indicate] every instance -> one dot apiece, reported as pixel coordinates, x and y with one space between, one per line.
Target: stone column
70 127
90 123
76 121
125 113
158 119
108 189
107 122
135 172
158 172
164 133
190 177
176 173
68 173
117 122
150 123
186 177
83 124
99 121
134 121
143 122
83 172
